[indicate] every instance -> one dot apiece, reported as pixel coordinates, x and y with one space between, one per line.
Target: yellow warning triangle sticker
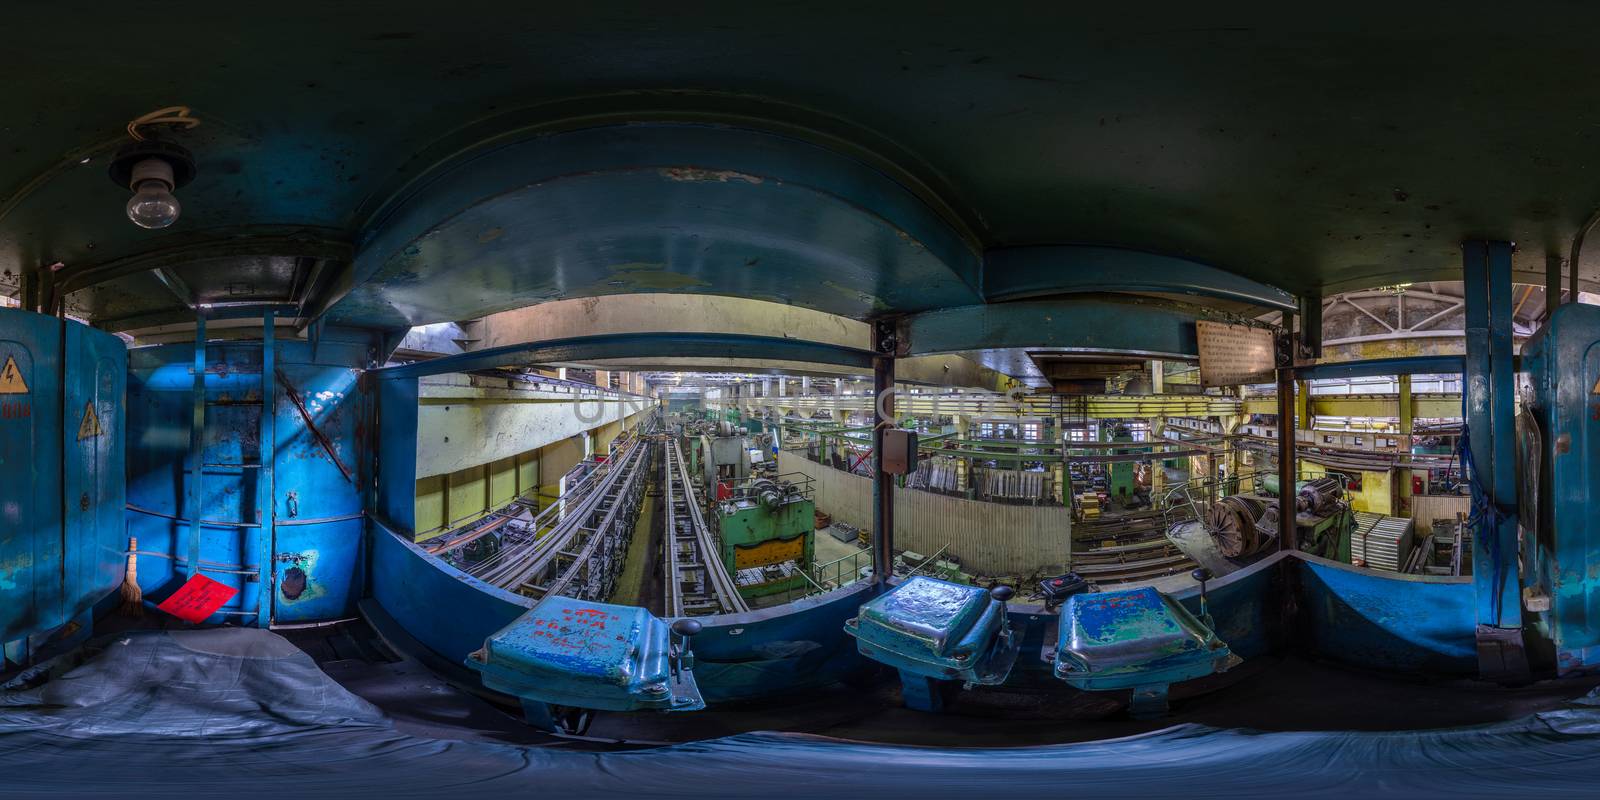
1596 389
90 427
11 378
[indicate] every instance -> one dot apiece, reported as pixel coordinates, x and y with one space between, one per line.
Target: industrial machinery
565 657
767 530
1243 525
935 632
1120 475
697 583
62 535
1137 639
1560 438
576 548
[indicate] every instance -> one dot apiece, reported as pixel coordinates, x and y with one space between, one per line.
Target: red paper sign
197 599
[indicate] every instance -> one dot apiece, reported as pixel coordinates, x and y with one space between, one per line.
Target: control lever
683 659
1202 575
1001 594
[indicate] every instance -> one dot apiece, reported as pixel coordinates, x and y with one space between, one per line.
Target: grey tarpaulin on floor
243 713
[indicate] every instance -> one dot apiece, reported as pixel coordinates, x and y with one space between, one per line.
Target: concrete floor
828 549
640 583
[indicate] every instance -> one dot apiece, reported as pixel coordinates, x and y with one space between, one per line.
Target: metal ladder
261 615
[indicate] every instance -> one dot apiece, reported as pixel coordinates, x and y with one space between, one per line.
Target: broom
132 598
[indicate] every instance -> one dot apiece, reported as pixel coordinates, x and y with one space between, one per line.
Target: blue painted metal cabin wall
738 656
396 502
62 540
1384 621
316 514
443 608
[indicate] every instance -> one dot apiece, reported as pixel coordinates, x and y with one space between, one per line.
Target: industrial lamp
153 169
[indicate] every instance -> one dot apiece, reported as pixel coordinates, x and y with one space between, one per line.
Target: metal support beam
1406 410
266 504
1286 432
884 344
1413 365
197 444
1302 406
1489 384
1310 338
1552 283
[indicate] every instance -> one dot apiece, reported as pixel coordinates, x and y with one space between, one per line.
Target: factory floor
1272 693
827 549
640 583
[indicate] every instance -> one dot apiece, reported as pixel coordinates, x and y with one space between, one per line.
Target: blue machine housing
1136 639
1563 363
63 542
583 654
937 629
289 537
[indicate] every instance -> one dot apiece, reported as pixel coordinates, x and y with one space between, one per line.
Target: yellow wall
446 502
1375 495
605 435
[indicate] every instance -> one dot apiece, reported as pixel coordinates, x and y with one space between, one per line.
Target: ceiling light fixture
153 169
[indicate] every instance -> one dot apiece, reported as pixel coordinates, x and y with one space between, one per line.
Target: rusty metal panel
1233 355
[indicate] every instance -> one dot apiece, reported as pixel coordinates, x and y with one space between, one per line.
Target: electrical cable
171 115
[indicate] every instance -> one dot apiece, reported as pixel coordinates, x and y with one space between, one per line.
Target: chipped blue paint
937 629
62 541
656 207
1563 364
584 654
1388 621
1134 639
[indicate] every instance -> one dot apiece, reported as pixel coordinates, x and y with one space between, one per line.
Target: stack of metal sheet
1381 542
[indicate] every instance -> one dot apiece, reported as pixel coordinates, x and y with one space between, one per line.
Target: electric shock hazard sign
14 400
11 381
90 427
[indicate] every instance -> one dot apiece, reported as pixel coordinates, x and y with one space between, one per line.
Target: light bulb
152 206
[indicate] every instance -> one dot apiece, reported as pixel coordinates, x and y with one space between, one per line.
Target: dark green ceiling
1305 148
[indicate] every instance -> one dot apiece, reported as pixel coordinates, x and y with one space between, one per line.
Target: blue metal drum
62 538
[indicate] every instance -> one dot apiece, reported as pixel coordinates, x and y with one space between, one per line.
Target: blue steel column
1502 402
266 499
1489 385
884 346
197 445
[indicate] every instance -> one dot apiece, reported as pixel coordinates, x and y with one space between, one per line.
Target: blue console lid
1135 638
590 655
937 629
